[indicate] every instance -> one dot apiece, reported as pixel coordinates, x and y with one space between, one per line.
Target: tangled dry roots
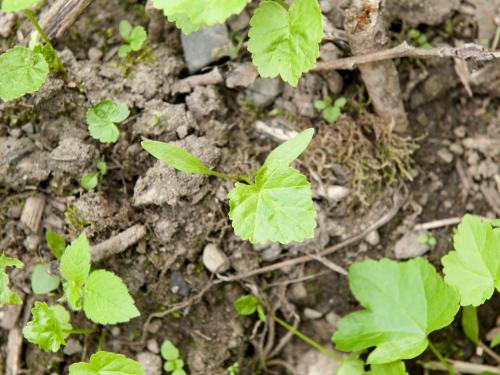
364 154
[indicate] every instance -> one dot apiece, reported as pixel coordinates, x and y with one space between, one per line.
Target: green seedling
353 365
274 204
234 369
173 361
56 243
249 305
101 294
331 110
134 38
283 40
27 67
102 119
106 363
419 38
7 296
427 238
89 181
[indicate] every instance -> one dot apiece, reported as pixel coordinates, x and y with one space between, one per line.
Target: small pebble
214 259
409 246
373 238
457 149
445 155
115 331
28 128
32 242
155 326
336 193
332 319
460 131
153 346
311 314
72 347
95 54
150 363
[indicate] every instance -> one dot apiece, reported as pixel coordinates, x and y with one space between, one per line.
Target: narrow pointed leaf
290 150
17 5
75 261
470 323
176 157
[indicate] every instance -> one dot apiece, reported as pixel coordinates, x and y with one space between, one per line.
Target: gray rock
272 253
409 247
214 259
150 363
243 75
206 101
178 285
264 91
205 46
72 157
311 314
313 362
7 23
445 155
153 346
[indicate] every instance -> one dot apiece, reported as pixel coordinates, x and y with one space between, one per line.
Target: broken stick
62 15
118 244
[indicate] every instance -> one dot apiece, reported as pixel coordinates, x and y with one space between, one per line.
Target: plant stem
308 340
100 346
82 331
441 359
29 15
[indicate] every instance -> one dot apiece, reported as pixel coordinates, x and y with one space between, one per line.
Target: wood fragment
62 15
118 244
462 367
14 346
366 32
32 213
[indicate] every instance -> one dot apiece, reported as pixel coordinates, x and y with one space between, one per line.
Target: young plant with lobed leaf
27 67
274 204
101 294
283 40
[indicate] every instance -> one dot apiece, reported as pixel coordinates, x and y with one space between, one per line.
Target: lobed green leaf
191 15
107 363
22 71
474 265
278 207
412 294
49 328
102 118
285 42
106 299
7 296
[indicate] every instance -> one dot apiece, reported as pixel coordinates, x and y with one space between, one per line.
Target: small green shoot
56 243
353 365
173 361
419 38
89 181
234 369
42 282
330 110
7 296
249 305
134 38
274 204
495 341
427 238
49 328
107 363
102 119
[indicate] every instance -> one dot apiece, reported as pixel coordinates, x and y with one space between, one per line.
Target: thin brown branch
468 51
62 15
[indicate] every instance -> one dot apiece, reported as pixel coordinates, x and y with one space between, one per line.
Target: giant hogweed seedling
174 364
27 68
283 40
107 363
274 205
134 38
102 119
101 294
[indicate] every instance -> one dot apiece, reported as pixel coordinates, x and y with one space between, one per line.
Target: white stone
214 259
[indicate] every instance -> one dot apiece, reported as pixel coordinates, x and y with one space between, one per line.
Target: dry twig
118 243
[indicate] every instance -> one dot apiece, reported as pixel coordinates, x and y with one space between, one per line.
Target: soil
448 164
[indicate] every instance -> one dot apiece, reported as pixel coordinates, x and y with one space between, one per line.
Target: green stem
308 340
443 360
100 346
82 331
29 14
